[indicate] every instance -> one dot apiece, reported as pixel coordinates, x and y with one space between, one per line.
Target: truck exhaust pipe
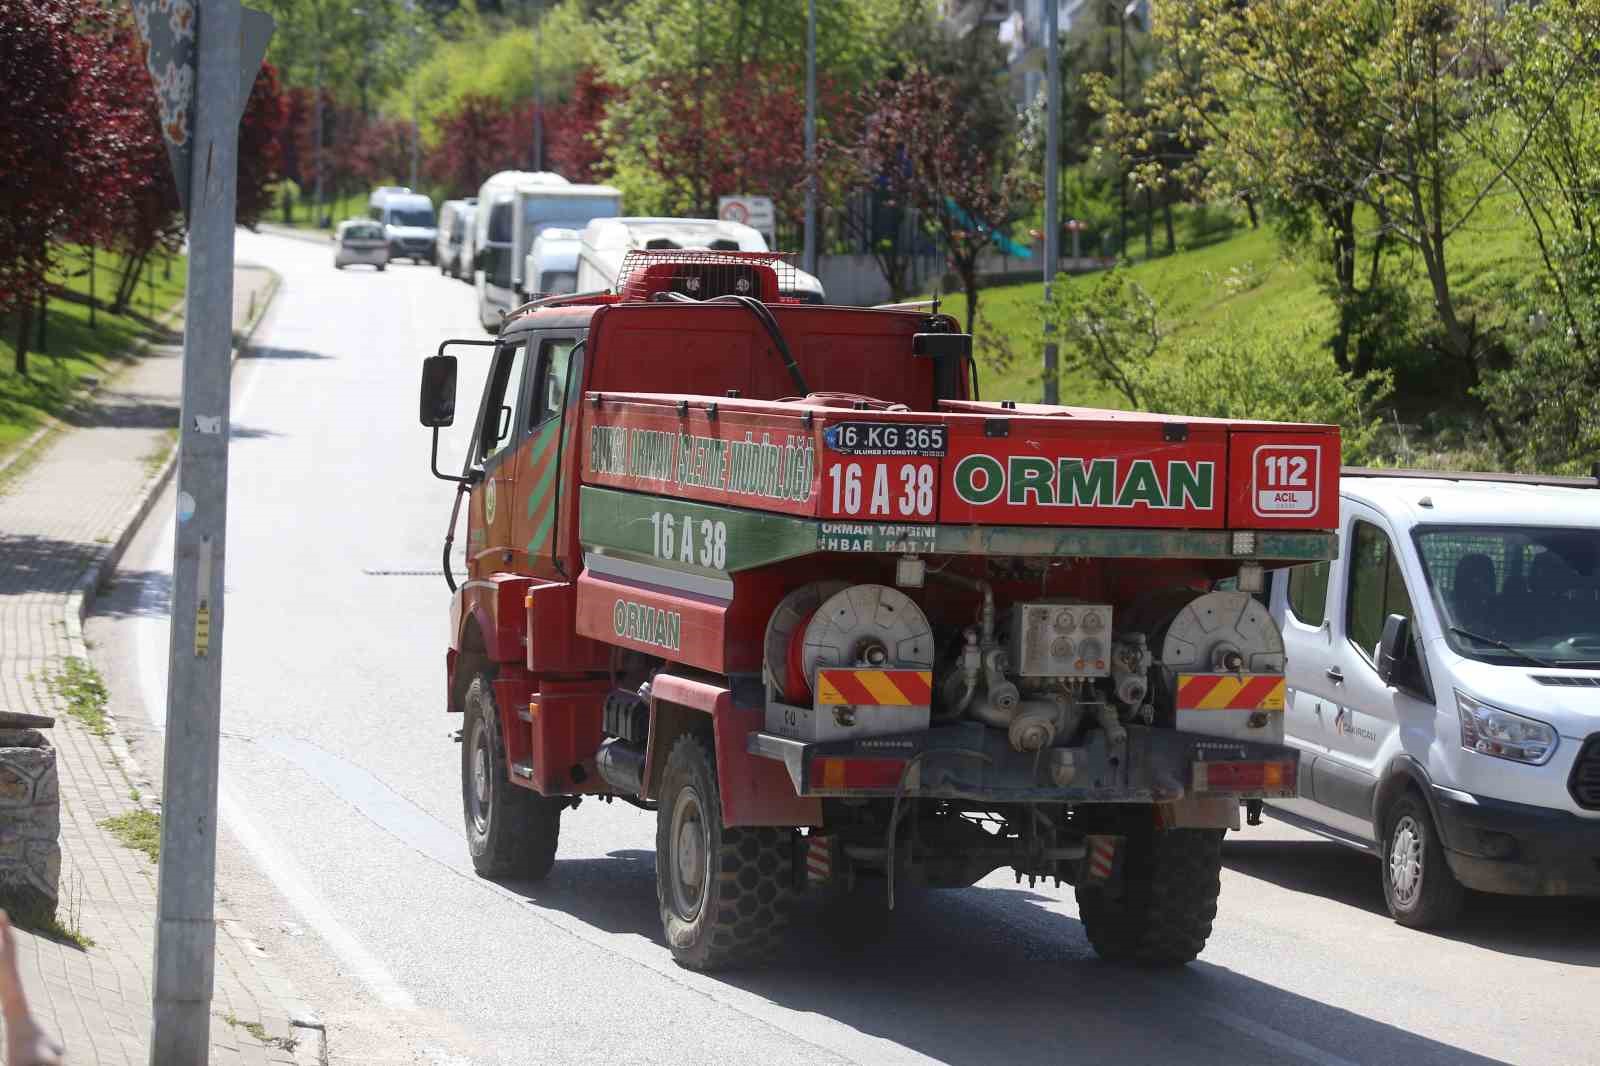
621 765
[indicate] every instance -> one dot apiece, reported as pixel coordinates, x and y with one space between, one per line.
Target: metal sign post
203 56
810 256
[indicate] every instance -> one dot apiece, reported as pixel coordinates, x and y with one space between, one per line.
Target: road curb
289 232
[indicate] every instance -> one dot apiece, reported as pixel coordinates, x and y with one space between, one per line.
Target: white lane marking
275 862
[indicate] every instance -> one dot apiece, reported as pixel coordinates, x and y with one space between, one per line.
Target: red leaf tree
42 138
917 142
572 128
473 142
266 114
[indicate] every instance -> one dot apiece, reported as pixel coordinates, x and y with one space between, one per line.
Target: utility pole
411 56
1122 98
225 51
316 216
810 255
538 96
1052 181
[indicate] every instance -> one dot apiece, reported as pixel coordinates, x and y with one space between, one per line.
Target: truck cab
773 571
1442 686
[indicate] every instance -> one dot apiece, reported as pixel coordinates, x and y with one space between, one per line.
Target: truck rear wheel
511 831
724 893
1163 915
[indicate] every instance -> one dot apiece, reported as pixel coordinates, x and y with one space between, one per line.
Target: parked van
515 219
552 266
606 242
455 232
408 222
1444 686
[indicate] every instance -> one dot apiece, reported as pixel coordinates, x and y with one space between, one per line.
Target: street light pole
411 78
1052 151
185 934
811 138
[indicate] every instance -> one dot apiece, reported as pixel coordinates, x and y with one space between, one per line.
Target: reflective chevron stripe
874 688
1230 692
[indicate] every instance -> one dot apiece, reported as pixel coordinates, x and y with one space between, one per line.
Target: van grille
1567 680
1585 781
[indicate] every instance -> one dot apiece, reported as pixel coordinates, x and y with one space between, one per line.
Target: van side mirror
942 345
1392 647
438 406
1398 665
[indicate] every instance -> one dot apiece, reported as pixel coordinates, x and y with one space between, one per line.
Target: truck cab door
500 426
536 518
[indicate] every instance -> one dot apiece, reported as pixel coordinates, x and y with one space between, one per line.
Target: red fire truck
774 572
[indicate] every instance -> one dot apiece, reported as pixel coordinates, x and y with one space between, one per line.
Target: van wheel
511 831
380 268
724 892
1418 885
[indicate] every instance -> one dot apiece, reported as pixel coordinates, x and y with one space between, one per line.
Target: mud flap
1102 862
823 866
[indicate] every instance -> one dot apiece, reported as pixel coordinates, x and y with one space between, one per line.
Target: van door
535 523
500 427
1299 606
1365 733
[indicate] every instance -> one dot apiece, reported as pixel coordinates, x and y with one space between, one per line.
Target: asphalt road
343 848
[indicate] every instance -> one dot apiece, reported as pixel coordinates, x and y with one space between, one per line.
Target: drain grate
401 571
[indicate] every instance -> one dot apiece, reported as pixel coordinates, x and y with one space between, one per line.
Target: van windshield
411 216
1534 589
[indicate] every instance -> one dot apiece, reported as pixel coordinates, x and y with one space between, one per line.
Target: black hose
765 317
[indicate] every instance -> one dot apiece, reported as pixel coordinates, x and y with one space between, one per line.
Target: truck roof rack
1553 480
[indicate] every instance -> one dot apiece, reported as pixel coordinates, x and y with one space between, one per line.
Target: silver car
360 241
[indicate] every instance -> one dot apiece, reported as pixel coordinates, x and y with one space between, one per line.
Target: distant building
1020 26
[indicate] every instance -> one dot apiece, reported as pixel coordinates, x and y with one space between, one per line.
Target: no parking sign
753 211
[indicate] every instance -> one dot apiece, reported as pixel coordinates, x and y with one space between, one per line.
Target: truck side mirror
942 345
438 407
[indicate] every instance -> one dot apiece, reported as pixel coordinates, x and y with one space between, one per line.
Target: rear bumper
1516 849
971 762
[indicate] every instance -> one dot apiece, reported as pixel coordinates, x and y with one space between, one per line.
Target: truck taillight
838 773
1230 777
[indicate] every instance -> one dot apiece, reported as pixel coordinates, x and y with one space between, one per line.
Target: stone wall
30 822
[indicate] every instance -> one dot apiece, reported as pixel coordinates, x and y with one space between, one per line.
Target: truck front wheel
1163 913
511 831
724 893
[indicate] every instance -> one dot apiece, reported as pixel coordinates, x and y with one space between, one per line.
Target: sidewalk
63 523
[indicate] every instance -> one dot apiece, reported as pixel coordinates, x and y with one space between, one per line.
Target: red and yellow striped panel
874 688
1230 692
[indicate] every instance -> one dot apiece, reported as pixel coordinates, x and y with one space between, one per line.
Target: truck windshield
1535 590
540 213
411 216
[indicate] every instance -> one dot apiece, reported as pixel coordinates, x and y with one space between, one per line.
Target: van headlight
1491 731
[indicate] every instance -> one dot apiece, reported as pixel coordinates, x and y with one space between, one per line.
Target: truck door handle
1335 675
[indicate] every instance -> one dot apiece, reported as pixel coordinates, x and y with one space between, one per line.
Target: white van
1444 686
607 242
452 249
408 222
552 265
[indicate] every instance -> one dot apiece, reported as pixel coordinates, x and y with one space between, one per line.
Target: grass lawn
1247 283
73 348
339 208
